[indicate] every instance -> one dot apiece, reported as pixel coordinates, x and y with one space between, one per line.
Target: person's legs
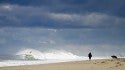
89 58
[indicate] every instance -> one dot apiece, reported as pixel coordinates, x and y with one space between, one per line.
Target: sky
77 26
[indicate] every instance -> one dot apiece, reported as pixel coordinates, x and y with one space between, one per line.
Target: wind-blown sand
103 64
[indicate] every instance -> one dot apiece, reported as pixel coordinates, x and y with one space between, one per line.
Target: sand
103 64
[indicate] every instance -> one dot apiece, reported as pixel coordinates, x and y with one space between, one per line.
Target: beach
98 64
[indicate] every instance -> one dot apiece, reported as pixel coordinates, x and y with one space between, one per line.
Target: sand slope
104 64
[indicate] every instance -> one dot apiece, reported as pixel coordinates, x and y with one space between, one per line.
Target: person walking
90 55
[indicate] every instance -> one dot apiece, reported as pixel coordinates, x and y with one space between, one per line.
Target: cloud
90 19
6 7
27 36
54 30
112 7
48 42
62 16
30 16
79 41
74 25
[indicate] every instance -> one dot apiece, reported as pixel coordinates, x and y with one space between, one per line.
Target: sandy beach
102 64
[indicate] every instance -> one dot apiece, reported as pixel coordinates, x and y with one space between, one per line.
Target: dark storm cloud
73 25
113 7
62 13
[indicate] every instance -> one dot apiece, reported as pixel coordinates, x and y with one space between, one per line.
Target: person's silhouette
90 56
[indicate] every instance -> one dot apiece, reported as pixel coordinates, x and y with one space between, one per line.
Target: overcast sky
78 26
